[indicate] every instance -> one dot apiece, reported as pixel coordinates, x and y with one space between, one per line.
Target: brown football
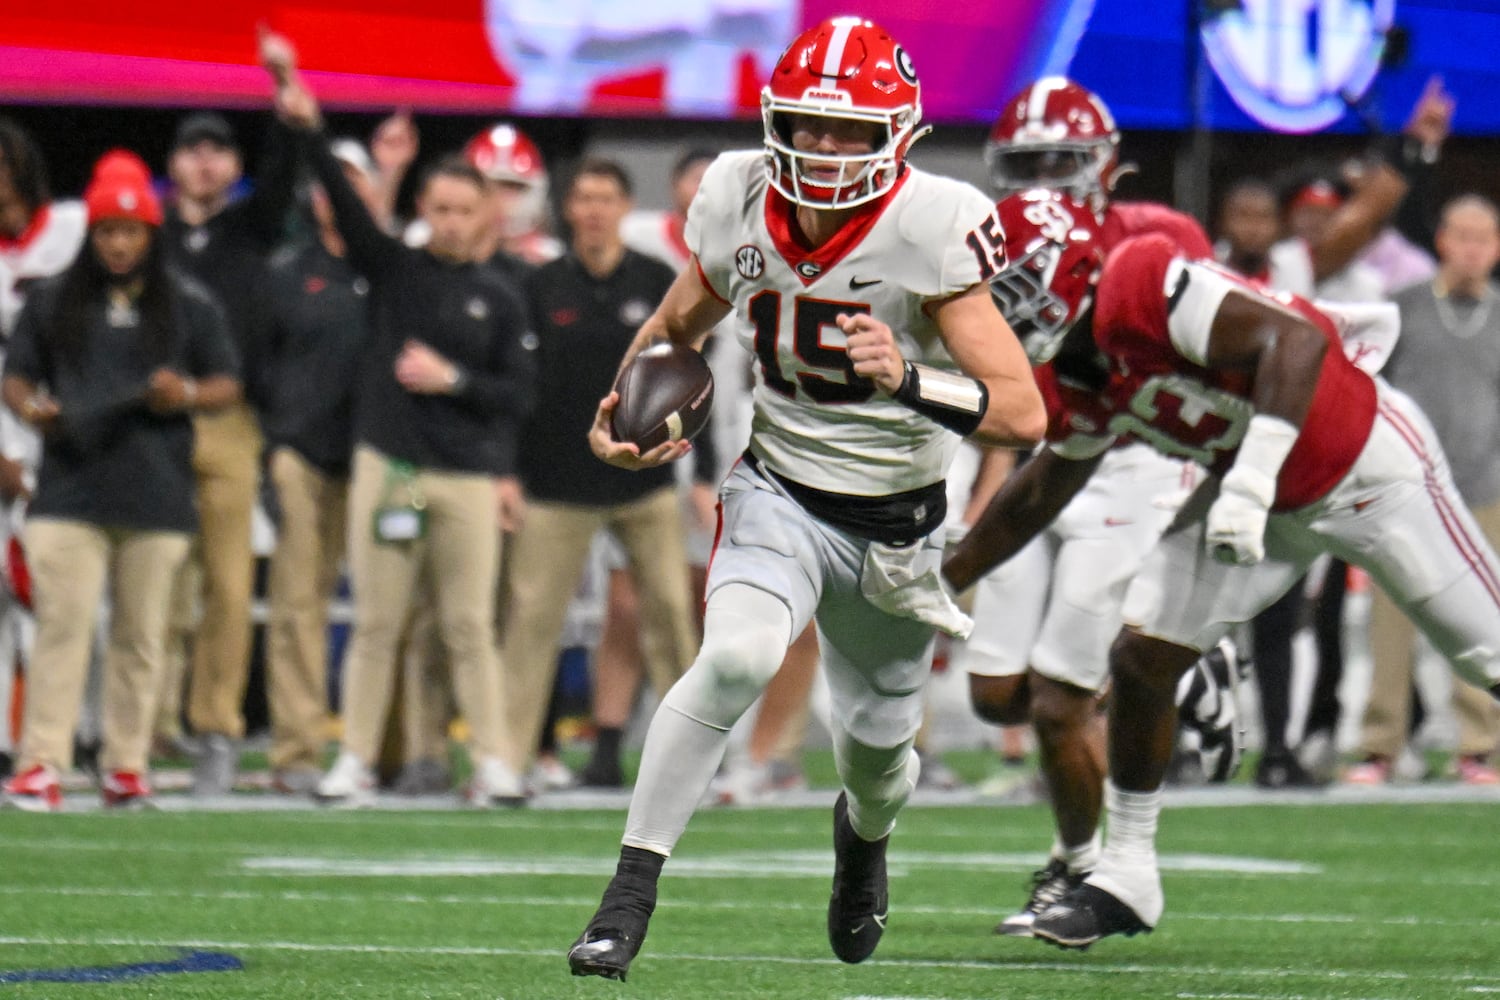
665 394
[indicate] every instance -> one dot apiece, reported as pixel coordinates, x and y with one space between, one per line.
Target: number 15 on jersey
817 366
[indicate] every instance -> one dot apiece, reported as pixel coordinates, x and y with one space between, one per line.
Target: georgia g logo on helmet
904 66
846 68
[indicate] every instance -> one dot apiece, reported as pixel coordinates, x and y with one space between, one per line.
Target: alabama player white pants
1396 514
1055 605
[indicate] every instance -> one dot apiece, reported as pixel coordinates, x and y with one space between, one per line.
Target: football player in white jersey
860 285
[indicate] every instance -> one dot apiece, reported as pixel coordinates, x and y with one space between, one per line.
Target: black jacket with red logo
319 331
584 325
469 313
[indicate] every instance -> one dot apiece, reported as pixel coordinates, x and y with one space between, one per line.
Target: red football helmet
848 68
1059 135
1054 255
503 154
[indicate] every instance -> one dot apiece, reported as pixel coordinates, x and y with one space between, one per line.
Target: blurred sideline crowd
406 402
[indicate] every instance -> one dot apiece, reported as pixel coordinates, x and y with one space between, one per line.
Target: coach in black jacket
447 379
588 305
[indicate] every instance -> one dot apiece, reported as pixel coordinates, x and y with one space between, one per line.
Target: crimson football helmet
846 68
504 154
1059 135
1054 254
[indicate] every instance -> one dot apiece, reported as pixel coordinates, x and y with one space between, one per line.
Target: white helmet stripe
835 57
1036 107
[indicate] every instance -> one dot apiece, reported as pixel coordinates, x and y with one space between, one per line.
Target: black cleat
1207 704
610 942
1085 915
860 901
602 774
1282 769
1047 887
602 951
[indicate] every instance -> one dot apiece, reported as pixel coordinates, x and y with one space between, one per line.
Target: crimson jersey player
1044 620
1311 454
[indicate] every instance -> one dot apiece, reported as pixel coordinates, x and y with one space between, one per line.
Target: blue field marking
193 961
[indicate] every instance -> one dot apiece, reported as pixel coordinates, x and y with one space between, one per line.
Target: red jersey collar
809 264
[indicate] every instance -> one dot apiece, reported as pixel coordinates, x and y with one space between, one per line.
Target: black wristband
951 399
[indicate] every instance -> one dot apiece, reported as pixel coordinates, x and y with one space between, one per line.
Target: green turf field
1376 901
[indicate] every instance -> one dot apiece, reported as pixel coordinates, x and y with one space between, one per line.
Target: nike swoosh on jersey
855 284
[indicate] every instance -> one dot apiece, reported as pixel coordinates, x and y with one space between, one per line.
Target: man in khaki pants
320 329
587 306
446 377
1448 360
224 245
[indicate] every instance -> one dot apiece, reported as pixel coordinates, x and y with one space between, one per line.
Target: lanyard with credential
394 522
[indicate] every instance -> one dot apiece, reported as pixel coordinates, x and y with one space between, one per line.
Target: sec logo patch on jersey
749 261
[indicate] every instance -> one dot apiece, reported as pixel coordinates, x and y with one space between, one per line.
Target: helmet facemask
862 177
1074 168
1023 293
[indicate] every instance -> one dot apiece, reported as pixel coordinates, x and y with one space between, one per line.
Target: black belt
892 519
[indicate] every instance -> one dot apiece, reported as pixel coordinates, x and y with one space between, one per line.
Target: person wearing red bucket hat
107 361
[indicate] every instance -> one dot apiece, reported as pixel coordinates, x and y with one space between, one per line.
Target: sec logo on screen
1286 63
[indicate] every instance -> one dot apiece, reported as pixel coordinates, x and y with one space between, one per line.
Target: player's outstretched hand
1432 118
277 54
623 454
872 349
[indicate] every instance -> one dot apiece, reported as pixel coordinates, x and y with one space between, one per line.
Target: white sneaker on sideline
549 774
495 783
348 783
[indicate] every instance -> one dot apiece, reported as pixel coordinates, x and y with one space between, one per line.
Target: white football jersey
651 232
815 422
47 248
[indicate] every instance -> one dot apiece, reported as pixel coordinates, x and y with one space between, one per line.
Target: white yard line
336 860
586 902
1262 996
551 954
780 864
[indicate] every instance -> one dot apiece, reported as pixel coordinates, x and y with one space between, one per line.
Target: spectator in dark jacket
225 245
447 380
